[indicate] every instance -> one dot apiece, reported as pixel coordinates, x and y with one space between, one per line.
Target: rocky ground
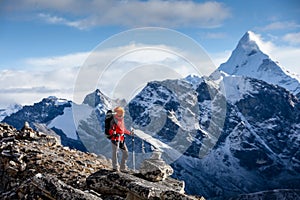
36 166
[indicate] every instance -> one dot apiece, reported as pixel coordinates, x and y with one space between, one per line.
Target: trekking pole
133 153
117 150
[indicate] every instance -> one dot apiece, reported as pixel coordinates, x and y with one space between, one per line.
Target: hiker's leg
124 149
114 155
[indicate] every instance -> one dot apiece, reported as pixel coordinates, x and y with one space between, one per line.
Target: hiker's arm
127 132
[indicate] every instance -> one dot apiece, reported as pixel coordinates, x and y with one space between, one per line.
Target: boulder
155 169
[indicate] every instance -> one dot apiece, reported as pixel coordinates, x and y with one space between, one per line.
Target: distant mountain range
235 132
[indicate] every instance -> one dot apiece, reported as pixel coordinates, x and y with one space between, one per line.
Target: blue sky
41 40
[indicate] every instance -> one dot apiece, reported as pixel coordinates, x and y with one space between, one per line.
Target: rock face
155 169
34 165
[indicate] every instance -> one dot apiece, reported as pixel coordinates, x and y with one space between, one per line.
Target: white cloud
107 69
103 68
51 19
220 57
27 87
132 13
288 57
280 26
292 38
53 62
213 35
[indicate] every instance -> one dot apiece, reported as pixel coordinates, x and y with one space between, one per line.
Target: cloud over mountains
86 14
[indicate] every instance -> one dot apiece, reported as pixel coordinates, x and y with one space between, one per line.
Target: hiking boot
115 170
124 170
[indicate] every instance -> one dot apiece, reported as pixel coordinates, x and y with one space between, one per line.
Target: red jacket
119 128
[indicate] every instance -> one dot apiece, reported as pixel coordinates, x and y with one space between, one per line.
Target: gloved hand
115 134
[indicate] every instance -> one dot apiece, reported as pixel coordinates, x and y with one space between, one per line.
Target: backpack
109 121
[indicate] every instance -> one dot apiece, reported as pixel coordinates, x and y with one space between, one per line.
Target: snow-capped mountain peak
248 60
250 41
56 101
97 98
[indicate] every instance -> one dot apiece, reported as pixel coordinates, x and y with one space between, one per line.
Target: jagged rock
174 184
155 169
44 186
123 184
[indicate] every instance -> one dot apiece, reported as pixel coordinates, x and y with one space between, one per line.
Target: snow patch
66 123
69 121
236 87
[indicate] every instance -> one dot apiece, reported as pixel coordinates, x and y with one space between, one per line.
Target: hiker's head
120 112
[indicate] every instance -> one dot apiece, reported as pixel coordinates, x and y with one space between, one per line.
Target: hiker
117 131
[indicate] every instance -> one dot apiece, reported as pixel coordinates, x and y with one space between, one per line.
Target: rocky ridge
36 166
26 154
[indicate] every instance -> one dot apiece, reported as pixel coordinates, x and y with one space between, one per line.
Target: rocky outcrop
34 165
24 154
151 182
132 187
